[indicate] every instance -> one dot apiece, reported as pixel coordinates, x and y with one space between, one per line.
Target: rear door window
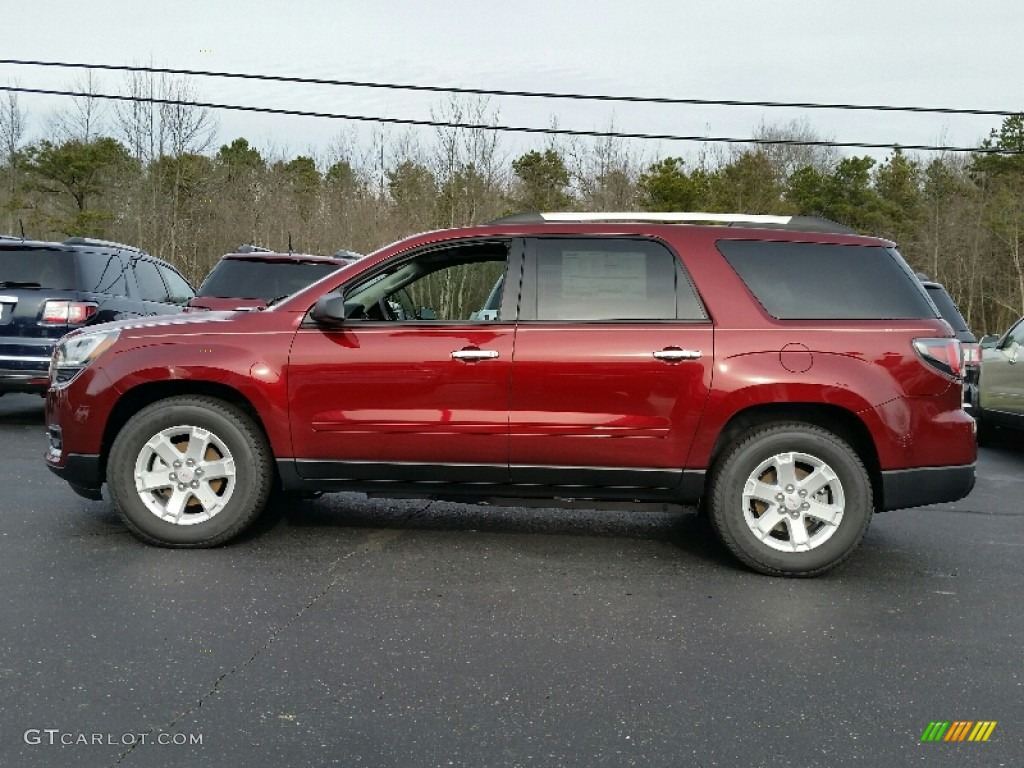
37 268
609 279
822 281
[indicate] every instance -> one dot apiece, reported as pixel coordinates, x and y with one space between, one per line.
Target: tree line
151 175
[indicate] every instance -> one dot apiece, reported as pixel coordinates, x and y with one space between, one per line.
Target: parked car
1001 386
788 377
48 289
968 341
254 276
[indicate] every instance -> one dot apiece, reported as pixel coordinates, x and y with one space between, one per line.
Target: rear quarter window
821 281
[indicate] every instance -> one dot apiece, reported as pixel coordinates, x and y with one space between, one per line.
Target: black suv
968 341
48 289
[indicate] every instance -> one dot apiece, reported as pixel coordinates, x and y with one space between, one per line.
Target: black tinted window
103 273
604 279
815 281
178 286
151 287
947 308
37 267
252 279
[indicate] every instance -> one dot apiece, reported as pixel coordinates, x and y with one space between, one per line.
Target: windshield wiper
19 284
274 301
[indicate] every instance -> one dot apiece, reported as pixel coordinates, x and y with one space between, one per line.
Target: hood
158 321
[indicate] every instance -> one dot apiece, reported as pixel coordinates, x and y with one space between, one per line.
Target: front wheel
791 500
189 471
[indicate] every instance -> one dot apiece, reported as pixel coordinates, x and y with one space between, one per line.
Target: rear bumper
904 488
24 380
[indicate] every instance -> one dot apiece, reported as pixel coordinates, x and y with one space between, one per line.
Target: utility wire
525 94
510 128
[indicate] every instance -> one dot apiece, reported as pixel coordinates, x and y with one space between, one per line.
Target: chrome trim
474 354
25 359
730 218
678 354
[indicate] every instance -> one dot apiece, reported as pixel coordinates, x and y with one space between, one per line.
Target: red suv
788 377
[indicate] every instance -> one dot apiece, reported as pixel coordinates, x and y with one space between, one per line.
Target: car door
1002 379
414 385
612 365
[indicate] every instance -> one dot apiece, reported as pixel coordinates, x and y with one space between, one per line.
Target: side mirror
331 309
988 341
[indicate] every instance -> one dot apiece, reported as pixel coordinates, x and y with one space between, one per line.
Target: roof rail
802 223
101 244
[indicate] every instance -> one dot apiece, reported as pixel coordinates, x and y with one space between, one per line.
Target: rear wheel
189 472
791 500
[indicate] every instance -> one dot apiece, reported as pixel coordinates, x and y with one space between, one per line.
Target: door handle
474 354
676 355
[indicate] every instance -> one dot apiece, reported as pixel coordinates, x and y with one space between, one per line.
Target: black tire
745 459
234 431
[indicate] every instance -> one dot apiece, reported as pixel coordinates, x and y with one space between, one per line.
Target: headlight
73 355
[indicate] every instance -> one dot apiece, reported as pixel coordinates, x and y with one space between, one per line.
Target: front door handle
474 354
676 355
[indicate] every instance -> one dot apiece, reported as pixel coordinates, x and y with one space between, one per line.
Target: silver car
1001 385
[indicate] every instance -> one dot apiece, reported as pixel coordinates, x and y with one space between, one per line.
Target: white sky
905 52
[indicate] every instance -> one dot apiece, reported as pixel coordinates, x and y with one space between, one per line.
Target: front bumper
82 472
917 487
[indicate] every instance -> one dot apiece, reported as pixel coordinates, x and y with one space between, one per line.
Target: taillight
972 354
942 354
68 312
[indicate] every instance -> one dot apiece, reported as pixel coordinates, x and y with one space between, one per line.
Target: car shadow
684 530
1006 440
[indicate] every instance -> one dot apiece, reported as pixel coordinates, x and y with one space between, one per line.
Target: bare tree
12 126
83 120
189 128
785 158
466 161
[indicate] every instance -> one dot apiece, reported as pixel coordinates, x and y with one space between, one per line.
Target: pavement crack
375 541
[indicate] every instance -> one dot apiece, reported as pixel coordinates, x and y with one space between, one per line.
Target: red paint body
563 394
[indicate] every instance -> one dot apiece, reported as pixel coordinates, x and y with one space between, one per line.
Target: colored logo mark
959 730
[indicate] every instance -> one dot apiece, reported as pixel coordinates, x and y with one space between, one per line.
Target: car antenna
289 243
21 223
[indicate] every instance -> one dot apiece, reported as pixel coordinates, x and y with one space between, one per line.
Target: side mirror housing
331 309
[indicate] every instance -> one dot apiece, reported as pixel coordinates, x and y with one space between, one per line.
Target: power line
524 94
510 128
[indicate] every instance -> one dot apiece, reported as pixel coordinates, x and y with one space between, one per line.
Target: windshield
37 268
252 279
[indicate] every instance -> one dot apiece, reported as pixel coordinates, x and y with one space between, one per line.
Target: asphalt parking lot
357 632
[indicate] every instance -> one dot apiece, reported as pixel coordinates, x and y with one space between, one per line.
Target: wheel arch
137 398
835 419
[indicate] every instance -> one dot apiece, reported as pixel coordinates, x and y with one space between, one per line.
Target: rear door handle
474 354
676 355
